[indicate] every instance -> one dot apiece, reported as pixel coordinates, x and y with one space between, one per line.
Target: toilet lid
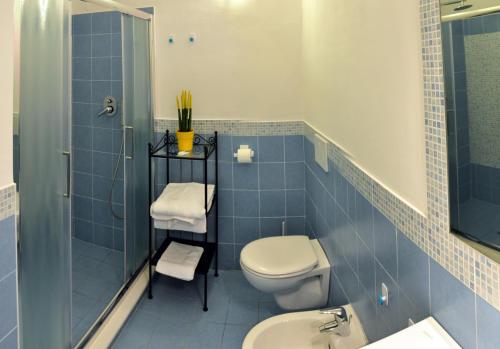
280 255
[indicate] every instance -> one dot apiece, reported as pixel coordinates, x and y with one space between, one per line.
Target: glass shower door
138 133
44 183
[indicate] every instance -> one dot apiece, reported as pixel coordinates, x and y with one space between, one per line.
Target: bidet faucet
341 323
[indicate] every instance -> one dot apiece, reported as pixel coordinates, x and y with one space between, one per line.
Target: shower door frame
454 212
128 281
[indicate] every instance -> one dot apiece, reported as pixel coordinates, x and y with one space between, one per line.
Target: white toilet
293 268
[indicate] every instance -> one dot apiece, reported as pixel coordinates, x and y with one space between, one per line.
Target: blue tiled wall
8 284
486 183
482 24
97 73
255 198
365 249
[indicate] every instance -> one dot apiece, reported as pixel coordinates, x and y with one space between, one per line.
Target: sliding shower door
44 244
138 133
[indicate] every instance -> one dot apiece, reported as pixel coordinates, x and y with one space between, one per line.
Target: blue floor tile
138 331
269 309
97 275
174 317
234 336
205 335
169 335
243 312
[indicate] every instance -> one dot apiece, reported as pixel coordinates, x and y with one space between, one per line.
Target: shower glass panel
44 244
138 133
471 52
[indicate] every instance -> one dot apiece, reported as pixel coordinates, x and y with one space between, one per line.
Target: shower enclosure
471 49
85 116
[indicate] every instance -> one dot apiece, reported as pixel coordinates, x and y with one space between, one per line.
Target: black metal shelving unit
203 149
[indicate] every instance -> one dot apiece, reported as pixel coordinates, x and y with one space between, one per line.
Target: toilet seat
279 257
282 276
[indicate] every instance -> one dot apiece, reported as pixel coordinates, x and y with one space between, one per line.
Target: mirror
471 56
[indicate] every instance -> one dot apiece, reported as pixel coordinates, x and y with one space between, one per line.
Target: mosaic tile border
238 127
7 201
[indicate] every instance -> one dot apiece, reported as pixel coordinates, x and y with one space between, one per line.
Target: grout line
254 190
13 271
92 124
397 255
430 285
258 186
284 224
232 195
326 190
96 80
476 322
8 334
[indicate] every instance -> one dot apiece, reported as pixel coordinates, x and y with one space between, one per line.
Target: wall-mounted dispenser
244 154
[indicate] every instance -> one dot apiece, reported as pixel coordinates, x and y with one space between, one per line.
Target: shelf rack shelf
203 149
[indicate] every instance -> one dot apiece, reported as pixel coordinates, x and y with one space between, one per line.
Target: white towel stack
181 206
179 261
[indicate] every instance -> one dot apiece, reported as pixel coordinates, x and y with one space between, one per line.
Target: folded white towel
179 261
182 202
198 226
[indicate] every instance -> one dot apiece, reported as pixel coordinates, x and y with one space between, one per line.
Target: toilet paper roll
244 155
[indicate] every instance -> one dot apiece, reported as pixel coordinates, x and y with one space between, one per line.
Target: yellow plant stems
185 110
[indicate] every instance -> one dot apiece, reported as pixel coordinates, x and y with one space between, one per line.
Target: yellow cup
185 140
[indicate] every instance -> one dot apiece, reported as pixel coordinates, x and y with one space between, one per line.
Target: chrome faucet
109 107
340 324
106 111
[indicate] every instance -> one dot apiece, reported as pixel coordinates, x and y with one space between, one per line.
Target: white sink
300 330
426 334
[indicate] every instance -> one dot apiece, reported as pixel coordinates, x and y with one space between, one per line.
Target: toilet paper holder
244 154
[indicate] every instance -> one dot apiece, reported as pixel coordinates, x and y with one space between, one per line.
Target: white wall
6 89
246 63
364 87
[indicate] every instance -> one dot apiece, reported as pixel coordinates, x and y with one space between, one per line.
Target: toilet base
309 295
313 290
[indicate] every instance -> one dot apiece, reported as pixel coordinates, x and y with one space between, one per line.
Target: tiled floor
481 219
174 318
97 277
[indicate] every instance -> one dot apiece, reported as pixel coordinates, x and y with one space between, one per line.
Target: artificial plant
185 110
